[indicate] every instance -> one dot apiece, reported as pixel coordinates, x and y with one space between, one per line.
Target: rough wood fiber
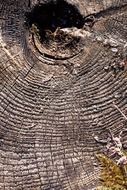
50 109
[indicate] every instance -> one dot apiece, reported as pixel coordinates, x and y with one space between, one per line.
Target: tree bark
51 107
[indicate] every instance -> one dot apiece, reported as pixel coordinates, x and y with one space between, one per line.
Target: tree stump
63 65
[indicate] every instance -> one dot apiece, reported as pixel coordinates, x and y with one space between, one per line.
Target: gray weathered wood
50 107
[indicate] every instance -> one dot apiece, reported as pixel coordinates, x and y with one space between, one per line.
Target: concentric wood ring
51 109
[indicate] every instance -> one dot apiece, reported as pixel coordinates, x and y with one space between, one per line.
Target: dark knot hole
53 15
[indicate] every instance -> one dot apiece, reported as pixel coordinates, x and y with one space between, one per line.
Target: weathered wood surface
51 109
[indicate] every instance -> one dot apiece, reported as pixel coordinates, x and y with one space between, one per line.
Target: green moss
109 188
113 177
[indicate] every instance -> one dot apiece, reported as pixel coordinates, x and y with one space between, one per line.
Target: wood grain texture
51 109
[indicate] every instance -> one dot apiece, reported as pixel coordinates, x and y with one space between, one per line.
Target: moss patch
113 176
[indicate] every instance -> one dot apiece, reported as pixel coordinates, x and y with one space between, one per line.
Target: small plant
113 176
34 30
114 164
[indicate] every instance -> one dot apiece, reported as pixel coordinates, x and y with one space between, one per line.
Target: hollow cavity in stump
54 15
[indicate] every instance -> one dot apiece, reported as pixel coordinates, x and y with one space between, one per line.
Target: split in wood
125 117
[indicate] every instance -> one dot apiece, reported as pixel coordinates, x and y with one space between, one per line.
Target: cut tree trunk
56 95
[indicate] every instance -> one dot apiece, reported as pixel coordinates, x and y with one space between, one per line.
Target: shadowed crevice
54 15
